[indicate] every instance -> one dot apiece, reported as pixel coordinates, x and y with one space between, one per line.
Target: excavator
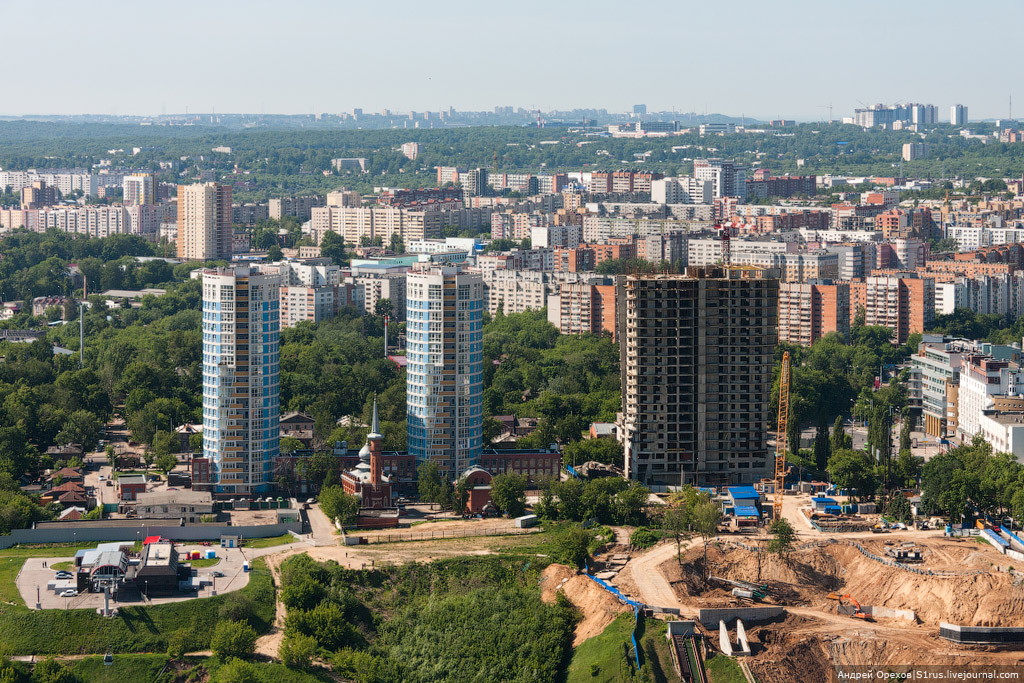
858 613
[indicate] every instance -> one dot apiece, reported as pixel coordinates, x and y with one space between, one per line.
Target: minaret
374 440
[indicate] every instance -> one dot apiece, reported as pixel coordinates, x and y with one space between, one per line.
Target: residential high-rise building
958 115
727 178
138 189
807 312
204 222
444 385
696 354
903 304
241 370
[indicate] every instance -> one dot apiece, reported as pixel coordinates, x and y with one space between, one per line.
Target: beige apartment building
204 222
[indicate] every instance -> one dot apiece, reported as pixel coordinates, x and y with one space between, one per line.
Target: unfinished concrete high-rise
696 354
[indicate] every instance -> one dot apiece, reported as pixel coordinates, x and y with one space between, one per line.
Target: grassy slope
135 629
269 542
131 668
604 650
722 669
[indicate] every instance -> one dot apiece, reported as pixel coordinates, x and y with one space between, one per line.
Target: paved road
322 529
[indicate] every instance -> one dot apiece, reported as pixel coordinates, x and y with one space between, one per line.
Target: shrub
237 671
298 650
178 643
233 639
644 537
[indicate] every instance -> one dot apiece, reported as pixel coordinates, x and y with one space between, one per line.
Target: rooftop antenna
385 336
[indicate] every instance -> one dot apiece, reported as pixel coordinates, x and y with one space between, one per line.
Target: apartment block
809 311
727 178
204 222
581 308
694 400
241 377
296 207
444 385
138 189
903 304
309 292
368 289
682 190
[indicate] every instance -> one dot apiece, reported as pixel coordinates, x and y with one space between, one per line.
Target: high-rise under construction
696 362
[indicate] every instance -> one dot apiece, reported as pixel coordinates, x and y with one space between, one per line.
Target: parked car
218 574
109 482
65 575
108 659
69 593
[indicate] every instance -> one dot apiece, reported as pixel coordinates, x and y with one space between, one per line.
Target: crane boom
780 438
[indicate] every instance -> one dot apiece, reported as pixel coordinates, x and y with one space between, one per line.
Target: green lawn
269 542
12 559
199 564
62 566
135 629
722 669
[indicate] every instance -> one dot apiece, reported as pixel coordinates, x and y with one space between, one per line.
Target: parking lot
34 577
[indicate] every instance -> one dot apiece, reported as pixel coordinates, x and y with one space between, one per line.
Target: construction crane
780 437
726 249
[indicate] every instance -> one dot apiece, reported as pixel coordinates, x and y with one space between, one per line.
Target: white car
69 593
65 575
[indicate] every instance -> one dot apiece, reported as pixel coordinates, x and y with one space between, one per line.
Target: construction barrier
710 617
637 606
980 634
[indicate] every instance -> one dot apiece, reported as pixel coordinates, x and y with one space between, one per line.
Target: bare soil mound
597 607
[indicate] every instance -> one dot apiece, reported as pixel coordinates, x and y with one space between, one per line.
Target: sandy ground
597 607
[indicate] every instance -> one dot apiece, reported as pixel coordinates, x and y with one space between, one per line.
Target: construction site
851 590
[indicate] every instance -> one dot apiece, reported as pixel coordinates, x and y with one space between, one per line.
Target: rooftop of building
184 497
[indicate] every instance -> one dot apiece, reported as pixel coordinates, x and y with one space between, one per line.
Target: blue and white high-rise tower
444 380
241 371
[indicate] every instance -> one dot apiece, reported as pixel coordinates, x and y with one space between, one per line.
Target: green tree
853 470
297 651
630 503
275 253
237 671
338 505
704 520
233 639
839 439
605 451
508 493
822 446
289 444
899 509
179 643
572 545
165 462
783 538
429 483
332 246
383 307
676 521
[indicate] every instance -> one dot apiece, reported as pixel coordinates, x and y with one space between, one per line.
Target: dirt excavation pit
989 599
597 607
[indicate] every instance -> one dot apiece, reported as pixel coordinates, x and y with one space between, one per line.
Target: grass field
135 629
62 566
124 668
269 542
722 669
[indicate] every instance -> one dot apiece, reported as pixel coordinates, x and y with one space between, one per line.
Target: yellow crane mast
780 438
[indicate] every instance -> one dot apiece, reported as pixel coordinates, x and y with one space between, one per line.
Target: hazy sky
763 59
